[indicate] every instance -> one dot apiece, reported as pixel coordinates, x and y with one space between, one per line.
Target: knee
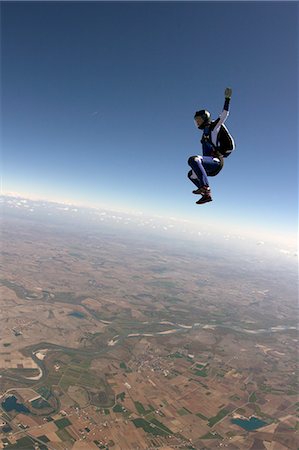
194 159
191 160
190 174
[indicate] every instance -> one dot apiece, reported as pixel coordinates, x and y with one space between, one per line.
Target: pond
11 403
249 424
77 314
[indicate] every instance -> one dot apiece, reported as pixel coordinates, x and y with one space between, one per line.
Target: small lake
249 424
77 314
11 403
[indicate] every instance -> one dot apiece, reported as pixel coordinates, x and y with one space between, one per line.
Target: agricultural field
115 341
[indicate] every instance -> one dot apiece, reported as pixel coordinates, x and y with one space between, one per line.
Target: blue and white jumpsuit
211 161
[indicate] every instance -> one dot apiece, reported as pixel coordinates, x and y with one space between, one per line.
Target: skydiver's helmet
202 118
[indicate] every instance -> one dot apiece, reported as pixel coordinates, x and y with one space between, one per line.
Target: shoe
202 191
198 191
204 199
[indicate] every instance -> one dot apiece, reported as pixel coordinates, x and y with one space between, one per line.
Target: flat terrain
115 339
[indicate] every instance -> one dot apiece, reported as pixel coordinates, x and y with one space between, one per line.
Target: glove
228 93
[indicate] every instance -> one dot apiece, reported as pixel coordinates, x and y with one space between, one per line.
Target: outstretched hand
228 93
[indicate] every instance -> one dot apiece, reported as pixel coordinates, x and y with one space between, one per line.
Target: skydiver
217 143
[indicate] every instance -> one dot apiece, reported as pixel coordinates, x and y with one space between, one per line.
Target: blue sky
98 101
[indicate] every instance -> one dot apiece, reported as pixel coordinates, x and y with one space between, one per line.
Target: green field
149 428
62 423
161 425
200 373
200 366
176 355
221 414
25 443
183 411
140 408
65 436
201 416
43 438
121 396
118 408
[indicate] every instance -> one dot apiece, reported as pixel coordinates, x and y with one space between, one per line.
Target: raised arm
225 112
227 95
223 116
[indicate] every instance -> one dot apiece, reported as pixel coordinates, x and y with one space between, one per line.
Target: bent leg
192 177
211 165
198 172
